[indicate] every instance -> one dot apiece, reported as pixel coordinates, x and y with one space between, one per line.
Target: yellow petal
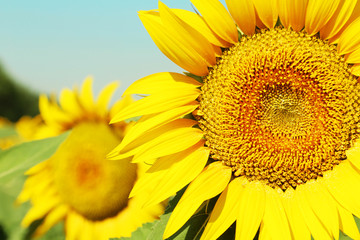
121 104
208 184
292 13
49 195
51 112
73 226
343 184
318 14
69 102
275 224
173 47
102 103
187 34
353 155
183 171
87 232
355 69
198 23
37 168
347 223
259 23
338 20
318 231
251 210
146 140
264 234
157 103
350 39
107 230
323 206
34 186
161 82
86 95
355 14
169 143
267 12
38 211
55 216
299 230
243 12
225 211
353 57
148 181
218 18
158 120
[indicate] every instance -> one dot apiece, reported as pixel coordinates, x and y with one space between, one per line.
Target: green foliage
16 160
345 237
13 163
15 99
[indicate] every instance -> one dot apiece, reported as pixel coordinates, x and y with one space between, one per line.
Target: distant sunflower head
25 129
275 100
77 183
79 105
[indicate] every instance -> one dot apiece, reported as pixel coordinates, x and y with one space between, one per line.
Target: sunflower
267 119
77 184
27 128
33 128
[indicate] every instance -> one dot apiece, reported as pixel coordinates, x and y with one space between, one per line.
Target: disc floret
280 107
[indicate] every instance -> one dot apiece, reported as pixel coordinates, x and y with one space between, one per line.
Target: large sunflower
77 184
274 96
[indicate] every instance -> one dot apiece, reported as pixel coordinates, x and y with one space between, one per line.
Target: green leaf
343 236
13 163
16 160
7 132
140 233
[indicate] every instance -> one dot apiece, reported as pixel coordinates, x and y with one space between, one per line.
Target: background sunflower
77 184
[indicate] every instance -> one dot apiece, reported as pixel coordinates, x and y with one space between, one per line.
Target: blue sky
49 45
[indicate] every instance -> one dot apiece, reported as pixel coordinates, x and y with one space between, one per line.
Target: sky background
49 45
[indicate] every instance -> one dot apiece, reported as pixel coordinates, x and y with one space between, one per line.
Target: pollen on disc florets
280 107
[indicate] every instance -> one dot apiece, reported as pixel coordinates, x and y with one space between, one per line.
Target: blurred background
48 45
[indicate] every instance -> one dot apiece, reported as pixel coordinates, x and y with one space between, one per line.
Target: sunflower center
93 186
280 107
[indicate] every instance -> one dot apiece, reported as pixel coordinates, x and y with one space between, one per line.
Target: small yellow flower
10 139
276 112
77 184
33 128
25 129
